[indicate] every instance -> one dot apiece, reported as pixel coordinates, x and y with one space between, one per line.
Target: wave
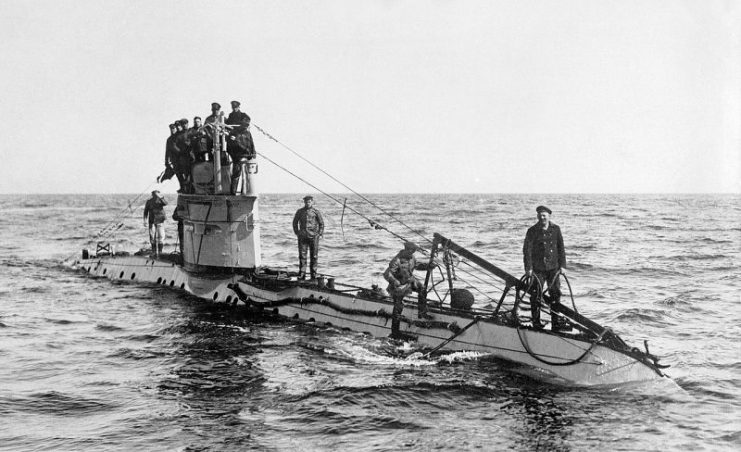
34 205
104 327
582 247
696 257
593 293
580 266
56 403
137 354
651 316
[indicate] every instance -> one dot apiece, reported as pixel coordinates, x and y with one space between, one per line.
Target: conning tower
220 218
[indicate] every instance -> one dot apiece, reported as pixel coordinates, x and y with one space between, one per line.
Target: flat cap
543 209
308 197
215 105
235 103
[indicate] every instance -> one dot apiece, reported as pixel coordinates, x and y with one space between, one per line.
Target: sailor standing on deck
545 256
169 155
215 112
180 154
154 216
308 225
199 150
402 282
213 118
239 145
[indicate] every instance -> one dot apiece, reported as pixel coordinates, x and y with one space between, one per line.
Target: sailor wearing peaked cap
215 106
308 225
235 103
154 217
544 257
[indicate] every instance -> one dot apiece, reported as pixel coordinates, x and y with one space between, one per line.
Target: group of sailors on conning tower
187 146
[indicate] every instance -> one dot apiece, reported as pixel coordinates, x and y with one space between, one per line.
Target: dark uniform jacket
241 145
170 151
238 118
308 223
543 249
181 146
198 142
400 269
154 210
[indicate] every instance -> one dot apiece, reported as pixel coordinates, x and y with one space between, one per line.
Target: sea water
90 364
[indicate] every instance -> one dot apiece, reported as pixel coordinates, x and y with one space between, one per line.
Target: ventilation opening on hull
216 295
121 275
133 275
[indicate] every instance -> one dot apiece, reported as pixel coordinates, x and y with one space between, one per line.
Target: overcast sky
388 96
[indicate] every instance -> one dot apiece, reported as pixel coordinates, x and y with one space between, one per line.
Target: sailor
199 150
239 144
402 282
182 157
169 155
154 217
308 225
238 117
545 256
212 119
215 111
178 214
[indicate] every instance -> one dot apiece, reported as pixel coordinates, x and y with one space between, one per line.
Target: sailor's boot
396 318
159 247
395 323
535 313
154 249
422 307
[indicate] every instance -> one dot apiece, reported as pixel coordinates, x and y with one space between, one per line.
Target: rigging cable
115 224
373 223
269 136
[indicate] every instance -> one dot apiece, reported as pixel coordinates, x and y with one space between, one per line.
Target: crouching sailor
402 282
154 216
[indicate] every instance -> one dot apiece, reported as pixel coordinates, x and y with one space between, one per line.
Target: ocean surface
88 364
